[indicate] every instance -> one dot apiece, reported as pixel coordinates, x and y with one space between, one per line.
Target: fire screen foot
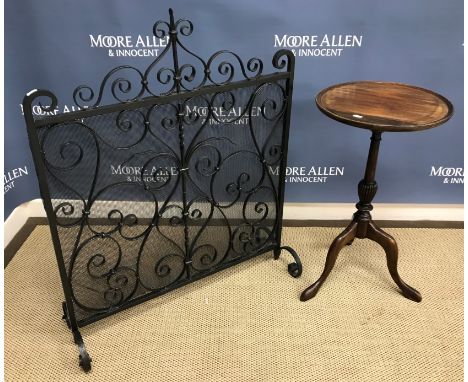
84 358
294 269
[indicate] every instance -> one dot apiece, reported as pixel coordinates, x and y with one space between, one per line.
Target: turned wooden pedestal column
379 107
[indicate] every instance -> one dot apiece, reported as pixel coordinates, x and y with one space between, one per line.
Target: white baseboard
19 217
292 211
382 211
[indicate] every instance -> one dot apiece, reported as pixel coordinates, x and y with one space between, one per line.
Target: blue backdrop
58 45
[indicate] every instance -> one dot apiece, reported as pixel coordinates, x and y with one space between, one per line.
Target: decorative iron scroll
163 187
127 83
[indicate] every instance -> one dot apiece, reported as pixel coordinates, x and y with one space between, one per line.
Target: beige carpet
247 323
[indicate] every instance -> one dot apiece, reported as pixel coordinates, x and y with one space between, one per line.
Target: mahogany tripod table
379 107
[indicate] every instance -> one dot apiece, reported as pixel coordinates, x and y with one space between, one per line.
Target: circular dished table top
384 106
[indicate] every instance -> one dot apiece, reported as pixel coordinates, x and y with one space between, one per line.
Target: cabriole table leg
363 227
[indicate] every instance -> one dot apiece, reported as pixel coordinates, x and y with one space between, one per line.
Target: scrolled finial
171 19
33 95
283 58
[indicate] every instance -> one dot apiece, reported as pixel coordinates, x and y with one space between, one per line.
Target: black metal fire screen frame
162 176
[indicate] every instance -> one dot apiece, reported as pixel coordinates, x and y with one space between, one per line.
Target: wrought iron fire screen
163 176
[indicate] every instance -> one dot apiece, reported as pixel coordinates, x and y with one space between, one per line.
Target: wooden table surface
384 106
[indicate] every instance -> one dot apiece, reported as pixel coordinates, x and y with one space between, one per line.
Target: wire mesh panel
182 177
148 198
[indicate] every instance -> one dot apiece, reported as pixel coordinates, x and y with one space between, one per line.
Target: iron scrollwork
182 177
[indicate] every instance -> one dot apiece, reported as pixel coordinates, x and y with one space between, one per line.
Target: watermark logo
139 174
311 174
327 45
129 46
9 178
238 115
37 110
451 175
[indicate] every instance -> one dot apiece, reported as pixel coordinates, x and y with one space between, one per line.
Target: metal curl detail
204 256
226 68
117 282
66 209
283 58
99 268
184 27
34 96
122 85
159 31
66 146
